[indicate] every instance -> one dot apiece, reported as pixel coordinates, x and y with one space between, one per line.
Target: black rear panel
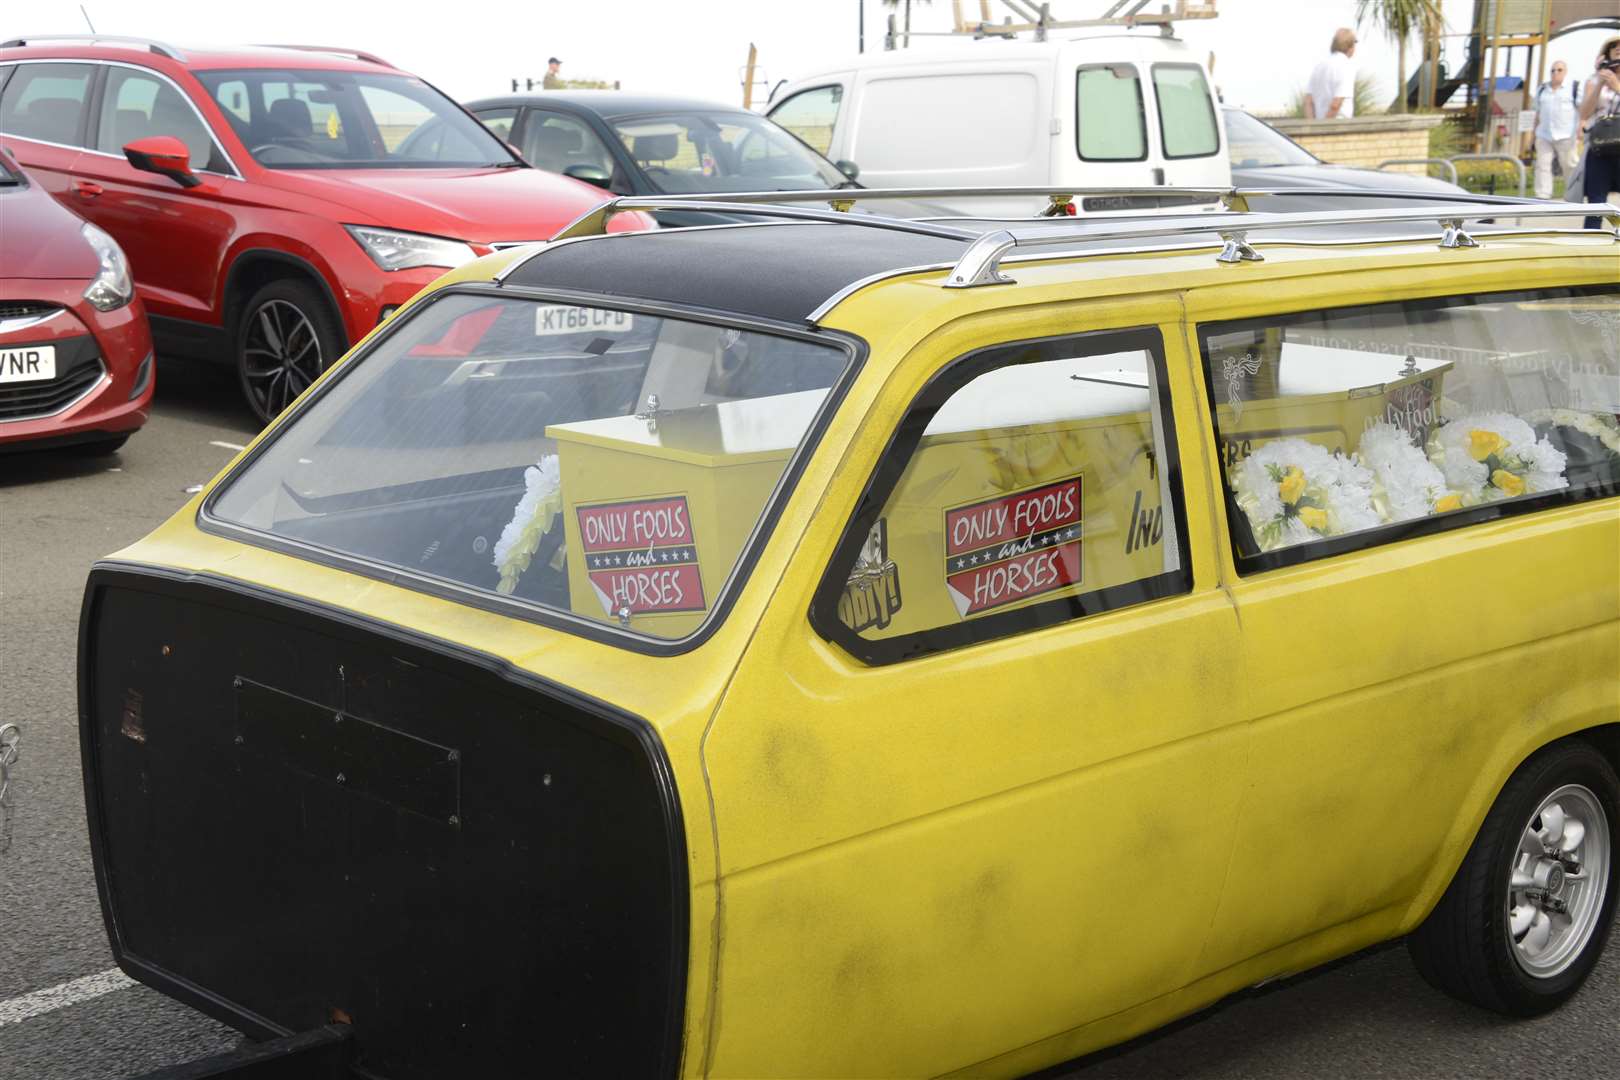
299 816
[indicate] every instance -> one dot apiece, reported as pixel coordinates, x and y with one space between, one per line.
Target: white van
1109 110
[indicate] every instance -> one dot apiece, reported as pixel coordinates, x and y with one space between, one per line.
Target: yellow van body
998 857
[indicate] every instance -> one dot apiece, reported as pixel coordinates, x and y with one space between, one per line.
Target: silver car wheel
1558 880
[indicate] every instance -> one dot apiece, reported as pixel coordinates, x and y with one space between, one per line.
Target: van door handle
1158 177
86 190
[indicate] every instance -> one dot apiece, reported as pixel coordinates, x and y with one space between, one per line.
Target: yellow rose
1509 483
1447 502
1292 485
1482 444
1316 519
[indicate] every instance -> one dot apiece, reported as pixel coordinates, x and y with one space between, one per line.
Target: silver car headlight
394 250
113 287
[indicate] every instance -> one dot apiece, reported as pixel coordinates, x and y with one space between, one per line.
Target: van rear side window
1108 115
1343 429
1187 125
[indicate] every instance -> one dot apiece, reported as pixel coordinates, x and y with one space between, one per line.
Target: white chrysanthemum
1333 483
1407 483
542 484
1538 462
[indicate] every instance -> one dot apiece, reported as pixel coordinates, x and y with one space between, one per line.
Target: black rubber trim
516 607
897 455
1237 521
112 573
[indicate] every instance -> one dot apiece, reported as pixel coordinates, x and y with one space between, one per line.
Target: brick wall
1364 141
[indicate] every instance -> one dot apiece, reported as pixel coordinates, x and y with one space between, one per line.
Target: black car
1263 157
634 144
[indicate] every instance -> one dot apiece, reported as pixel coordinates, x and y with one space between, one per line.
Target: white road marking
16 1010
226 445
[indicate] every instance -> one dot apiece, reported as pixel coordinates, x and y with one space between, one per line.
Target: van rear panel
299 817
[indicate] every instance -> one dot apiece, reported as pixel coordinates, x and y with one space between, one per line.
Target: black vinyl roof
780 271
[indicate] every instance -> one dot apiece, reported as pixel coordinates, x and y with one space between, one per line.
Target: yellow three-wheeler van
839 646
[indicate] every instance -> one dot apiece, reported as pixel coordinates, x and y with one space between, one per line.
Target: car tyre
286 336
1497 939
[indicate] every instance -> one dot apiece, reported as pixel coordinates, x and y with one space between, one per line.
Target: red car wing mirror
164 155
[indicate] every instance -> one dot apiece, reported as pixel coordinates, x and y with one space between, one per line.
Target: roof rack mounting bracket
979 264
1238 249
1453 235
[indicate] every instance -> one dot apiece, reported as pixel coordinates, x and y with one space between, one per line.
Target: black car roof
607 104
743 269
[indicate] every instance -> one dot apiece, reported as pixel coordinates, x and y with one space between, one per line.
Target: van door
1108 143
1191 140
990 795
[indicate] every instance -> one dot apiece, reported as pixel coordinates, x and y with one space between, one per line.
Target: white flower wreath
1599 426
531 520
1490 456
1406 483
1293 491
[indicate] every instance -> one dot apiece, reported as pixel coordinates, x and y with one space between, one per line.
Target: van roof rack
333 50
1036 16
991 240
160 47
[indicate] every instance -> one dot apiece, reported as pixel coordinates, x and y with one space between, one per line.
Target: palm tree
906 5
1398 18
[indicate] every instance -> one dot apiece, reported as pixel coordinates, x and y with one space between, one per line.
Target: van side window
46 102
1029 484
811 115
1187 124
1346 428
1109 119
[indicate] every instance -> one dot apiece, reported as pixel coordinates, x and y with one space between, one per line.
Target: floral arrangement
1600 427
531 520
1293 491
1485 457
1406 484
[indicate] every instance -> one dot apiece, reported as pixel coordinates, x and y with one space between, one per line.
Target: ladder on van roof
1037 18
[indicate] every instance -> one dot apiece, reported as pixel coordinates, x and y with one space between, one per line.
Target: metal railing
992 241
1515 162
1447 165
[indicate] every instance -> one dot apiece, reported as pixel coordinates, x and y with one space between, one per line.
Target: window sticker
641 556
872 595
1013 547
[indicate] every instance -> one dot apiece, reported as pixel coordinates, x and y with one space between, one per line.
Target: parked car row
275 204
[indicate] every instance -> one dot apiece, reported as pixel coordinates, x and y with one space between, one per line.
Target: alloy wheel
281 355
1558 880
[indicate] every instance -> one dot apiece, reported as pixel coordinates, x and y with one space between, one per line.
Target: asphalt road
63 1016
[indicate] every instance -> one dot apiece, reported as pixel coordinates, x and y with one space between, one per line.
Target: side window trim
92 119
1237 525
1209 103
897 455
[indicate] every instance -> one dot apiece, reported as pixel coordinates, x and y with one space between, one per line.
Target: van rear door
1190 138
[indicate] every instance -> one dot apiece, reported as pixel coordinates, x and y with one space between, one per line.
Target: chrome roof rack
1228 218
331 50
162 48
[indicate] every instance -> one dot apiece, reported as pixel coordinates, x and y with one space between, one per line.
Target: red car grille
23 309
45 398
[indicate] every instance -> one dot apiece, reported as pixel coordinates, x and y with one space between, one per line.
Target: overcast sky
1264 49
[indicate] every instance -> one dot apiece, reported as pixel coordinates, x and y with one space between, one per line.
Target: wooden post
956 16
748 77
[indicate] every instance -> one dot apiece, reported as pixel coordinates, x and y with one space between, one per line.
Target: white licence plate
554 319
28 364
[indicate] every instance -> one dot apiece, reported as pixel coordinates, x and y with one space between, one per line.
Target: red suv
75 356
276 203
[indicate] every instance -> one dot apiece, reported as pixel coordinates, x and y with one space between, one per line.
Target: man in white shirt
1557 111
1331 92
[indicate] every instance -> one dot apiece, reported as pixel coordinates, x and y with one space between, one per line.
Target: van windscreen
608 465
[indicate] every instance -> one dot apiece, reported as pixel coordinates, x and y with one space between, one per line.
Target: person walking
1557 111
1602 100
553 79
1331 93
